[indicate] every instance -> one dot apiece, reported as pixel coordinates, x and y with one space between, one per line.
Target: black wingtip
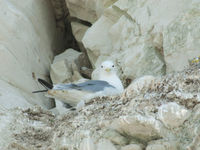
40 91
45 83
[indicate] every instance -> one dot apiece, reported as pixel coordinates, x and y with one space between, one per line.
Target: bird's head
108 67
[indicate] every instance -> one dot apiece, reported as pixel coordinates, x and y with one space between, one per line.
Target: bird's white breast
113 80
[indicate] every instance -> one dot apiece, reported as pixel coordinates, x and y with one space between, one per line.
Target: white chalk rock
172 114
134 34
133 147
139 127
96 39
121 41
139 86
162 145
63 144
11 97
115 137
105 145
87 144
88 10
65 67
28 38
78 30
181 41
6 120
156 147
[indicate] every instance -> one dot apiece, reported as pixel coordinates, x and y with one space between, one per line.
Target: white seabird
108 84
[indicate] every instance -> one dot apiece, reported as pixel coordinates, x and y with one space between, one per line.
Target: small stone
87 144
139 85
155 147
66 67
115 137
133 147
63 144
139 127
172 114
161 145
105 145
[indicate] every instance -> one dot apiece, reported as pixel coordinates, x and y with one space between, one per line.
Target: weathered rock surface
140 84
138 127
87 144
136 36
28 39
78 30
132 147
89 10
121 39
145 37
105 144
172 114
116 138
12 128
181 39
101 124
162 145
83 13
65 67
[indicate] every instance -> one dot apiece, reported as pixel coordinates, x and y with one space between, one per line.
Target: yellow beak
107 69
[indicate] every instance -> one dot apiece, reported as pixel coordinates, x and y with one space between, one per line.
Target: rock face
66 66
115 137
172 115
105 144
141 84
136 36
162 145
145 38
132 147
87 144
89 10
28 38
83 13
138 127
136 122
179 45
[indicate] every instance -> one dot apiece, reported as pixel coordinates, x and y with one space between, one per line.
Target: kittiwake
108 84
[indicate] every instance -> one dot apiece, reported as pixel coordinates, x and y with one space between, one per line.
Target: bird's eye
113 66
101 66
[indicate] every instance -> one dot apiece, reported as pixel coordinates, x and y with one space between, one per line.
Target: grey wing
94 85
64 86
90 86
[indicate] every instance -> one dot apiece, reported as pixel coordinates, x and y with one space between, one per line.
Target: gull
108 84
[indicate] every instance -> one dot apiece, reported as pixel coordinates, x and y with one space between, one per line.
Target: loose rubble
153 119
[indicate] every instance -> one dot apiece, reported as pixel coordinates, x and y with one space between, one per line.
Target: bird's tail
44 84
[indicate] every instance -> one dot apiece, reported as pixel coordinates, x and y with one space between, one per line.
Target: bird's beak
107 69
